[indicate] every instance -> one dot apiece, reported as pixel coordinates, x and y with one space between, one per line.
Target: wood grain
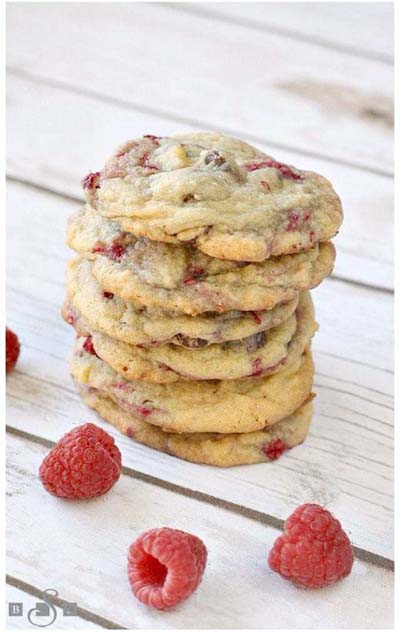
290 94
347 460
43 154
328 24
310 85
59 556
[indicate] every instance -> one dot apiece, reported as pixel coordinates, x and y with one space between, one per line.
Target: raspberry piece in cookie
91 181
12 350
285 170
314 551
165 566
153 138
193 274
275 449
115 251
88 345
85 463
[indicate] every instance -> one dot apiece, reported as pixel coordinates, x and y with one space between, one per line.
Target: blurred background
309 83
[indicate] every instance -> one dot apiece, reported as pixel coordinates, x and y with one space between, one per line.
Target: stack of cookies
190 295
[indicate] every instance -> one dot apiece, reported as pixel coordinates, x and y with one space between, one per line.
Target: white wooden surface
238 591
83 77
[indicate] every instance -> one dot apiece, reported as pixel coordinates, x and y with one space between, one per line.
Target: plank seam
347 381
373 287
362 363
86 615
360 396
237 509
44 189
281 32
197 123
80 201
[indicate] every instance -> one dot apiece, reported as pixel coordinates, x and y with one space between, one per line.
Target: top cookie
221 194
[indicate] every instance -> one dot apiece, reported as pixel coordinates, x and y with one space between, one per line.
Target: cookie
227 198
108 314
221 450
259 355
205 406
181 279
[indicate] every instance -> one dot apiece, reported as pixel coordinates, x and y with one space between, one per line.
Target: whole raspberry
12 350
165 566
313 550
84 463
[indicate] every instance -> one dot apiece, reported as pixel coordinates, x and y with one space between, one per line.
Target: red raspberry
143 410
146 162
84 463
256 368
88 346
275 449
115 251
313 550
192 274
165 566
285 170
91 181
12 350
293 224
153 138
255 317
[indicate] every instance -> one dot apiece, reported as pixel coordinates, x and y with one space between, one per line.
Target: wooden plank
40 153
291 94
329 24
81 550
345 463
61 621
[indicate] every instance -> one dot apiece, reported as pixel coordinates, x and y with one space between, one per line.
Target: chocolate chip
191 342
255 341
214 157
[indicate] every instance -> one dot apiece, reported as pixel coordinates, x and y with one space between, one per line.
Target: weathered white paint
347 460
74 92
329 24
43 154
288 92
81 550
